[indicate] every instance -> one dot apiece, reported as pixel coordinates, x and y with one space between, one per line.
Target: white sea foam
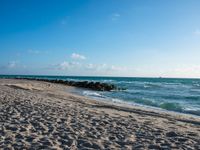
92 93
107 81
115 100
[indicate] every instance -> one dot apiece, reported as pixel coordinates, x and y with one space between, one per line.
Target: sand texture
41 115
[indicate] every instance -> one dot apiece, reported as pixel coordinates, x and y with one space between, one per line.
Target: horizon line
159 77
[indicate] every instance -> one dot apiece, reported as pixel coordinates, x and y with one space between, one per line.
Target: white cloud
106 67
96 67
197 32
78 56
93 69
64 65
118 68
115 16
192 70
90 66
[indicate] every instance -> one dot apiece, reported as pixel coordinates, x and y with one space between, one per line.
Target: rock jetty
97 86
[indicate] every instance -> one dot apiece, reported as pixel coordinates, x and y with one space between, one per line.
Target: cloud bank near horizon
75 66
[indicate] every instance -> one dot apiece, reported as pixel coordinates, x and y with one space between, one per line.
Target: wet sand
41 115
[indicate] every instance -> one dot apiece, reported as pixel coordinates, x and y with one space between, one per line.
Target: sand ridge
40 115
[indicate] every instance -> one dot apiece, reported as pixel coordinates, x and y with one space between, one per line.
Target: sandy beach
42 115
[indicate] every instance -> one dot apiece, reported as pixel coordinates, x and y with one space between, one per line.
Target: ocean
171 94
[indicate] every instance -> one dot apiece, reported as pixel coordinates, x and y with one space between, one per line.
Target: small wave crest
171 106
194 111
150 84
92 93
107 81
115 100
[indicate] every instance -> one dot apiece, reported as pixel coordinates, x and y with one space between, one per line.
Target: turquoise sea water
180 95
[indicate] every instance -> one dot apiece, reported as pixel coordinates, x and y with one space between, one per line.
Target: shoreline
184 102
133 105
121 103
139 128
96 86
105 100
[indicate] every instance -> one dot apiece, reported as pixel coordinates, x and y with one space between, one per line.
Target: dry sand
41 115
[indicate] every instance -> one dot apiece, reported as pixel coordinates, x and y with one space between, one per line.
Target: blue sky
147 38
